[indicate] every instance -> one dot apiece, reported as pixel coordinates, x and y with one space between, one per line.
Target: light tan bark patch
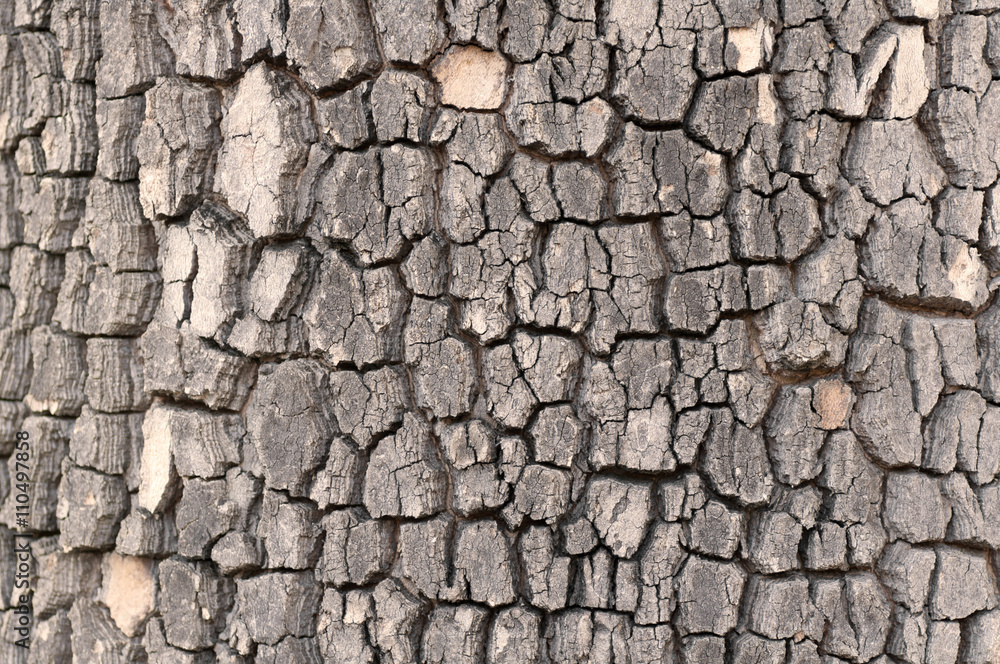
832 400
472 78
129 591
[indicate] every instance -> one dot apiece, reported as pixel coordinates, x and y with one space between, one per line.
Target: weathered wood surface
482 332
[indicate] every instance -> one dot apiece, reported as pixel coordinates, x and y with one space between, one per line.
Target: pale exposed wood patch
129 591
832 400
471 78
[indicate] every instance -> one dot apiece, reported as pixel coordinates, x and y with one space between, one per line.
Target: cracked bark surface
482 332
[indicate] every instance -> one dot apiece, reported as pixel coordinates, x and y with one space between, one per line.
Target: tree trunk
500 332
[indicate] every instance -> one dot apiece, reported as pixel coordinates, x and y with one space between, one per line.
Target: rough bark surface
502 332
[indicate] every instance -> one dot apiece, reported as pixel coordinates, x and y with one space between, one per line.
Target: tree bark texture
496 332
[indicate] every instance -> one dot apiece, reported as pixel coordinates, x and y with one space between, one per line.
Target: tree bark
482 332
